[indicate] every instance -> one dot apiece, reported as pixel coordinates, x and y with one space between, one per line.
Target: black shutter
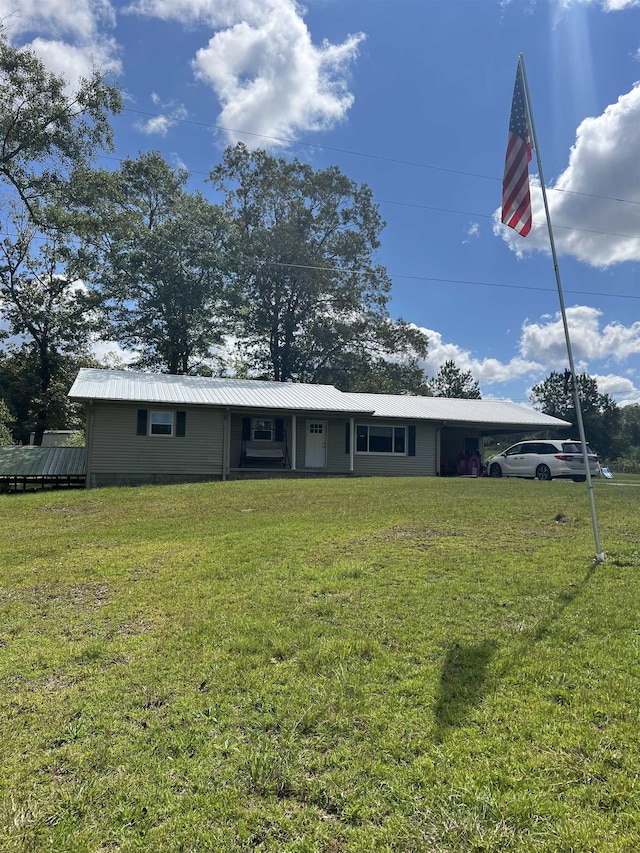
246 429
279 429
412 441
181 424
142 422
347 438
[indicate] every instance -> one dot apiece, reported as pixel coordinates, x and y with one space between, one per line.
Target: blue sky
411 97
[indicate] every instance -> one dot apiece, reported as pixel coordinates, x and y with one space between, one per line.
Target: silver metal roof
125 385
130 386
29 461
448 410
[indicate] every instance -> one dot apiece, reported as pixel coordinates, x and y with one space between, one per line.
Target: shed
28 467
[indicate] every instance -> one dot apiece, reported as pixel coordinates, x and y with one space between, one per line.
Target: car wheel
543 472
495 470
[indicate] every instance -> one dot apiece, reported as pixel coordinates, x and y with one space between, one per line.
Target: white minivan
543 460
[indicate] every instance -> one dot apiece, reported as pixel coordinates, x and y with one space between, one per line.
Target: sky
411 97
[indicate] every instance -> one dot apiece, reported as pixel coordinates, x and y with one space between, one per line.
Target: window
381 439
262 429
516 450
161 423
545 448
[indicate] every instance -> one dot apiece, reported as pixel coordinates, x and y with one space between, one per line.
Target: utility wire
488 216
449 210
402 276
450 280
415 164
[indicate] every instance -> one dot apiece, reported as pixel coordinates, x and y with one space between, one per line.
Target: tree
629 444
5 419
47 310
157 261
307 299
600 414
630 425
19 377
451 381
45 132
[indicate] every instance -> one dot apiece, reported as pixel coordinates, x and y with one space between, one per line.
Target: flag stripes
516 197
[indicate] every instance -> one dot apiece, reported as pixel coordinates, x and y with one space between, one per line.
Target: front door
315 445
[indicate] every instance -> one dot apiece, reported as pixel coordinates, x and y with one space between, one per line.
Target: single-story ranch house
151 428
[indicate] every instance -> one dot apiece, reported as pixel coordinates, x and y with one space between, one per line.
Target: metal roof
129 386
449 410
29 461
124 385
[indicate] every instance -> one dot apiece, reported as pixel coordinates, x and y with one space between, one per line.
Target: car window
513 451
530 448
574 447
547 448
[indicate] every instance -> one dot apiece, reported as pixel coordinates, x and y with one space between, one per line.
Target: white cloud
542 348
157 125
607 5
487 371
603 165
545 340
74 62
73 35
269 77
472 231
161 124
111 354
81 19
621 388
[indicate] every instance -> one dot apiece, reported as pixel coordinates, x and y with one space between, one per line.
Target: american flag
516 199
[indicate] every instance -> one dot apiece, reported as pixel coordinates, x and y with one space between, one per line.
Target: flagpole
576 394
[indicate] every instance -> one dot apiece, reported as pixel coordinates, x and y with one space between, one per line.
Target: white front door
315 445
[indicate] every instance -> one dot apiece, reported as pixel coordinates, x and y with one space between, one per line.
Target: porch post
351 443
294 426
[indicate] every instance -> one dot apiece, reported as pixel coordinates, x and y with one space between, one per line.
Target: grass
327 665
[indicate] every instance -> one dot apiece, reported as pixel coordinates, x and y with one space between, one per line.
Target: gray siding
118 455
423 464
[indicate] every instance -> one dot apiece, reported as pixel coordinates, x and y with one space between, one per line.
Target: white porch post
294 428
351 443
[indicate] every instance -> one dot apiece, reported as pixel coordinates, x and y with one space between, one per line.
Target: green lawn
322 665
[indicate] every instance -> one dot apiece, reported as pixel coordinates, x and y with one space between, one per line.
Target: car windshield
574 447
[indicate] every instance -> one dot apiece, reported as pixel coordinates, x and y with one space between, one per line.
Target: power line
488 216
449 210
451 280
415 164
402 276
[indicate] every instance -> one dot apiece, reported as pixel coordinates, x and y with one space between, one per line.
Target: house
146 428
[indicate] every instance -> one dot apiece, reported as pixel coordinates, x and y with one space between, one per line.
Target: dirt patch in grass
69 510
86 596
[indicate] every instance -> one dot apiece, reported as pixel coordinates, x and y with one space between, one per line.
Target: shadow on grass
463 683
463 680
563 600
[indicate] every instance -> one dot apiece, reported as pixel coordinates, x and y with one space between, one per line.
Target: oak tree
307 298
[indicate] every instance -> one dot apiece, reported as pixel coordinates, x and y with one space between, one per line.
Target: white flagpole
576 394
